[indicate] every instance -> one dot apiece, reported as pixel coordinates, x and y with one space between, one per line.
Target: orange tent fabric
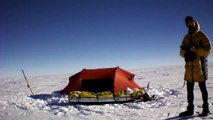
99 80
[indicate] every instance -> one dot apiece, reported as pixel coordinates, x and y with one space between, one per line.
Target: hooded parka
193 68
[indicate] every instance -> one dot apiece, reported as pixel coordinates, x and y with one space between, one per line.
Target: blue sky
65 36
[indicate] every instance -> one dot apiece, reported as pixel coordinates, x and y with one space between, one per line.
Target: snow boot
188 112
205 110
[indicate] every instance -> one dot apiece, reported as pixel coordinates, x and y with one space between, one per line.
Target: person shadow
197 115
180 118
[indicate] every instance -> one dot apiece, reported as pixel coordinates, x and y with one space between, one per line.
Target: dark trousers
190 93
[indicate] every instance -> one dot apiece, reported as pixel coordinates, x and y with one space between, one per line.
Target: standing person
194 49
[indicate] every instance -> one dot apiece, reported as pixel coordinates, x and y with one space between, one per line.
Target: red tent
99 80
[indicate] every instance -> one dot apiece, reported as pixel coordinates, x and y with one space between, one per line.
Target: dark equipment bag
204 63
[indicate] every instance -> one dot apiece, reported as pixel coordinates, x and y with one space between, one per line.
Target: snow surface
166 83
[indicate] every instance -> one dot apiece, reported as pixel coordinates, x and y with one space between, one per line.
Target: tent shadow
46 97
62 104
41 96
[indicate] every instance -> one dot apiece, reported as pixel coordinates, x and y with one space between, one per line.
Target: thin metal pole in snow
28 85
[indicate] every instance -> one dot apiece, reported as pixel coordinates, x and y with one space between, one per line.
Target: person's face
191 24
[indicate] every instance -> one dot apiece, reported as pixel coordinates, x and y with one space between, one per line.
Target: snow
166 83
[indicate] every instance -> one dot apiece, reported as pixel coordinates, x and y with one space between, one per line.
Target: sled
106 97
